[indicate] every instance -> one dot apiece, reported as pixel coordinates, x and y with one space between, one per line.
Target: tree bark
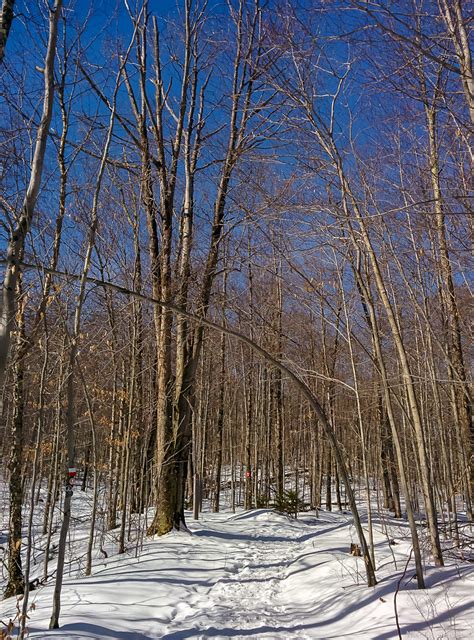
18 237
5 25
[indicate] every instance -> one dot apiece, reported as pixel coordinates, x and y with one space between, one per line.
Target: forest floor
256 574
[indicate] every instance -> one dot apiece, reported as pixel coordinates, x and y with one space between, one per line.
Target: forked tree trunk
176 431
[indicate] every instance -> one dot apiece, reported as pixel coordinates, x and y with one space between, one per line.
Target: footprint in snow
182 611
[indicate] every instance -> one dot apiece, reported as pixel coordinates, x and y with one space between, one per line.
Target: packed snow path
257 574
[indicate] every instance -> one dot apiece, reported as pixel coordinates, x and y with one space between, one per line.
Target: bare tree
9 304
72 364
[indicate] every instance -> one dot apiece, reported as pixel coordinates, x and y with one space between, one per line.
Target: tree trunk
18 237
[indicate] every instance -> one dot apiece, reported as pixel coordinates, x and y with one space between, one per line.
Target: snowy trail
256 575
279 585
252 592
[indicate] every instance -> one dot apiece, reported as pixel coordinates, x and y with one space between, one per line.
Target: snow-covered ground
257 574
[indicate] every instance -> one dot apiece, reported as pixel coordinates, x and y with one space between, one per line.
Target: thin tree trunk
16 583
372 322
18 237
74 344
